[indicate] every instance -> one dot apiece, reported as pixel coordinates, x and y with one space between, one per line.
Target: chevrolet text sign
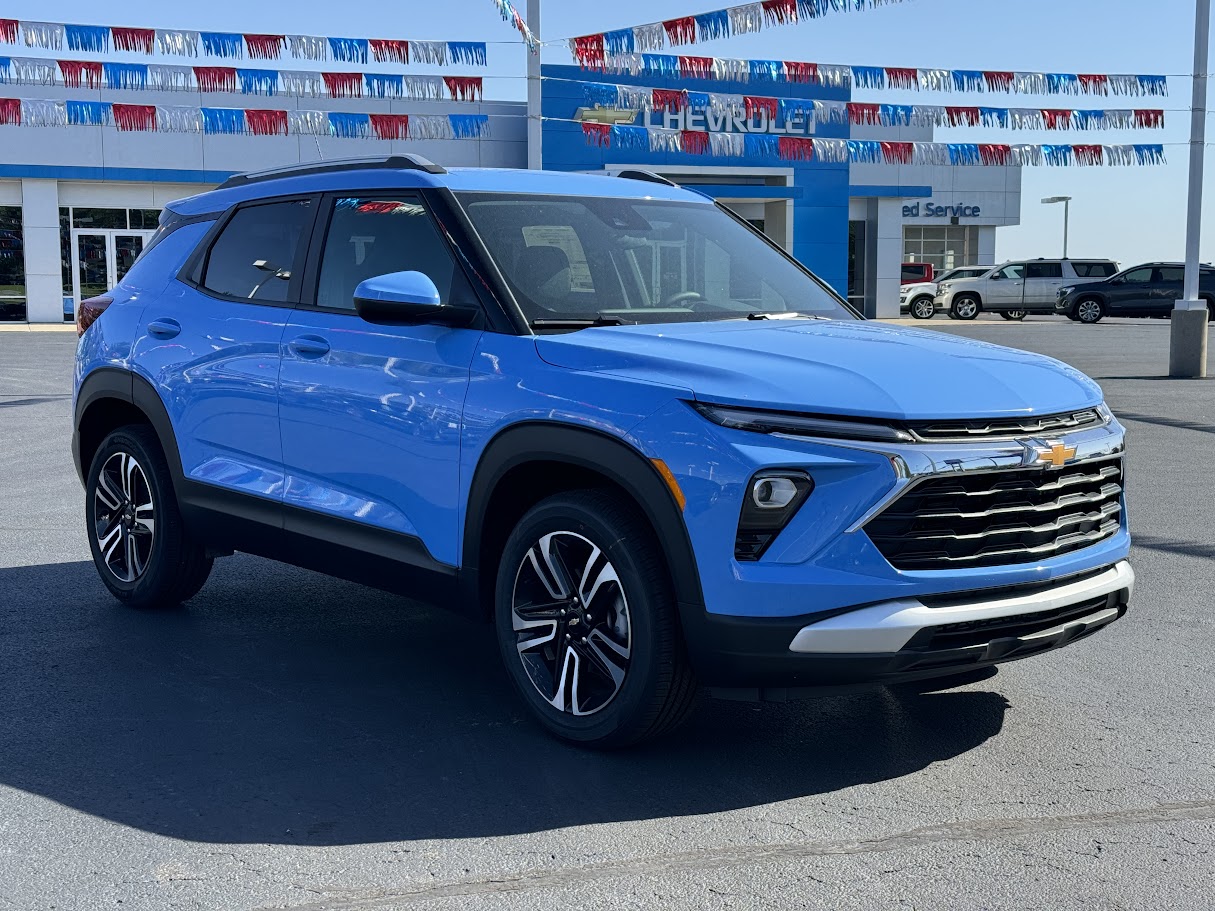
725 122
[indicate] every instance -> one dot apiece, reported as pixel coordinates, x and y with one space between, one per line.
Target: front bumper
907 639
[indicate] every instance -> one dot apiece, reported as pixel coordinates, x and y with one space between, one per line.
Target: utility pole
535 126
1188 331
1067 201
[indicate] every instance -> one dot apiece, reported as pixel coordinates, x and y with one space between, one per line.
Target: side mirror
996 276
401 298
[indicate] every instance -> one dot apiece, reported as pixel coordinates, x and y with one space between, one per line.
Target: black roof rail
647 176
394 162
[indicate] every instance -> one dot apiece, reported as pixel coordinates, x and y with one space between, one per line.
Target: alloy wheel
572 623
1013 315
1089 311
923 309
124 517
966 309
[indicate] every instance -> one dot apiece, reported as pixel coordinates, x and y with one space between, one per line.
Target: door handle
309 346
164 328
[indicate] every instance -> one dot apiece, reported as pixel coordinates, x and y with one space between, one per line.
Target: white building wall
43 270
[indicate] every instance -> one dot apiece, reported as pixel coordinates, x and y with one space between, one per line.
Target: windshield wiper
786 314
599 320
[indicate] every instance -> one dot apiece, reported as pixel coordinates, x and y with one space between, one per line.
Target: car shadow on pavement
285 707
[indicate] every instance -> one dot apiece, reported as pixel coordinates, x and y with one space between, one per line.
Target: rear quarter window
1094 270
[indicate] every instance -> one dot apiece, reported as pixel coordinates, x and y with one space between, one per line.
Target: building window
12 264
97 230
944 246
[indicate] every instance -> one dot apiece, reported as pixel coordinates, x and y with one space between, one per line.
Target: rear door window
1174 274
254 255
1044 270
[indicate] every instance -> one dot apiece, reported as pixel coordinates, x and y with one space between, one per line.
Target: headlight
1103 410
802 425
943 287
1068 290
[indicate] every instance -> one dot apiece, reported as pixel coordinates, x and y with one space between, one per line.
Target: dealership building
77 202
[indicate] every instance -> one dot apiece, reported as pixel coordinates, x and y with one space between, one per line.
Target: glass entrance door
102 258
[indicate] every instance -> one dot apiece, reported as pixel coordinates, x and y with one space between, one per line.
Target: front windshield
639 261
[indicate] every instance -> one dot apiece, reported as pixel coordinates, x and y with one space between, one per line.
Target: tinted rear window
1094 270
1044 270
255 252
915 273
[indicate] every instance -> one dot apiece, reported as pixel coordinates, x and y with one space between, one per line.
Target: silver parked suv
1017 288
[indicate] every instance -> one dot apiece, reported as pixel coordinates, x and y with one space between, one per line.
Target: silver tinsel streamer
625 63
835 76
647 38
726 145
1026 119
720 103
665 140
47 35
433 52
1027 155
634 98
936 80
169 78
425 126
177 42
746 18
423 88
302 83
173 119
308 47
43 113
831 150
1119 120
308 123
731 70
929 115
33 70
830 112
1029 83
929 153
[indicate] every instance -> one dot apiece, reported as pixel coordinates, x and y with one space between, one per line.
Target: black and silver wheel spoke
572 623
124 517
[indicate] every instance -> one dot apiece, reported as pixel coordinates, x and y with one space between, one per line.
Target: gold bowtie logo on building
1057 456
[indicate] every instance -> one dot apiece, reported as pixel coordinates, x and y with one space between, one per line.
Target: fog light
773 493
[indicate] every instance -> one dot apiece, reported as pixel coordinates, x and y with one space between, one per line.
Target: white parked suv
917 299
1017 288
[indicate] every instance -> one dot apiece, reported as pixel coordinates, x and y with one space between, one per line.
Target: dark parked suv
1150 289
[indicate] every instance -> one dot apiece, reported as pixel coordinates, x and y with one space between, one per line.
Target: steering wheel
682 296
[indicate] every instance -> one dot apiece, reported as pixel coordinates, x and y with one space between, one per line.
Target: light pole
1066 200
535 126
1188 331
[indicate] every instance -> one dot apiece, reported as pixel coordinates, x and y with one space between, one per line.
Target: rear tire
923 308
1089 311
1013 315
141 547
965 306
588 625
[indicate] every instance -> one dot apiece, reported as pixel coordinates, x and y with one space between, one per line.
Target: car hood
918 286
830 367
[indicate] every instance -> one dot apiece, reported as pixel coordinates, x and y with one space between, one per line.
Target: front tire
587 622
965 307
923 308
140 545
1089 311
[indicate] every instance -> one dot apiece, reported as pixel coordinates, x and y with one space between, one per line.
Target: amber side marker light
89 310
672 484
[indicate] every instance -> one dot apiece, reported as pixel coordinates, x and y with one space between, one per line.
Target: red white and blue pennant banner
670 66
760 146
90 74
251 121
100 39
781 110
511 15
723 23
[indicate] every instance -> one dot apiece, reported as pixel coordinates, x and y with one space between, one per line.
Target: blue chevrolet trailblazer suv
604 414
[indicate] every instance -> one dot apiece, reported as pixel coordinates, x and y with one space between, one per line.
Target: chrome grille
1000 428
1000 517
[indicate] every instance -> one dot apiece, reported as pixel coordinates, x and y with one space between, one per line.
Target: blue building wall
820 202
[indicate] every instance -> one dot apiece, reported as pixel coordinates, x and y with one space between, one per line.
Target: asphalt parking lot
288 740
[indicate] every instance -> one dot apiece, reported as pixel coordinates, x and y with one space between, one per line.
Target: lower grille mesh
998 518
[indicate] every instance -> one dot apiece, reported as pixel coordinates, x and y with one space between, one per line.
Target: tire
633 679
965 306
1089 311
1013 315
923 308
140 545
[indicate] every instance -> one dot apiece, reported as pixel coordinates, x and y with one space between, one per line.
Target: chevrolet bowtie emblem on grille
1056 456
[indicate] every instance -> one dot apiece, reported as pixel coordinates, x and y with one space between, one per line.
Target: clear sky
1128 214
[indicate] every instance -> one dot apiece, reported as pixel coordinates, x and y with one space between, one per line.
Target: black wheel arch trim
593 450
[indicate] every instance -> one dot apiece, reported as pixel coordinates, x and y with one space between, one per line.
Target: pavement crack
718 858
